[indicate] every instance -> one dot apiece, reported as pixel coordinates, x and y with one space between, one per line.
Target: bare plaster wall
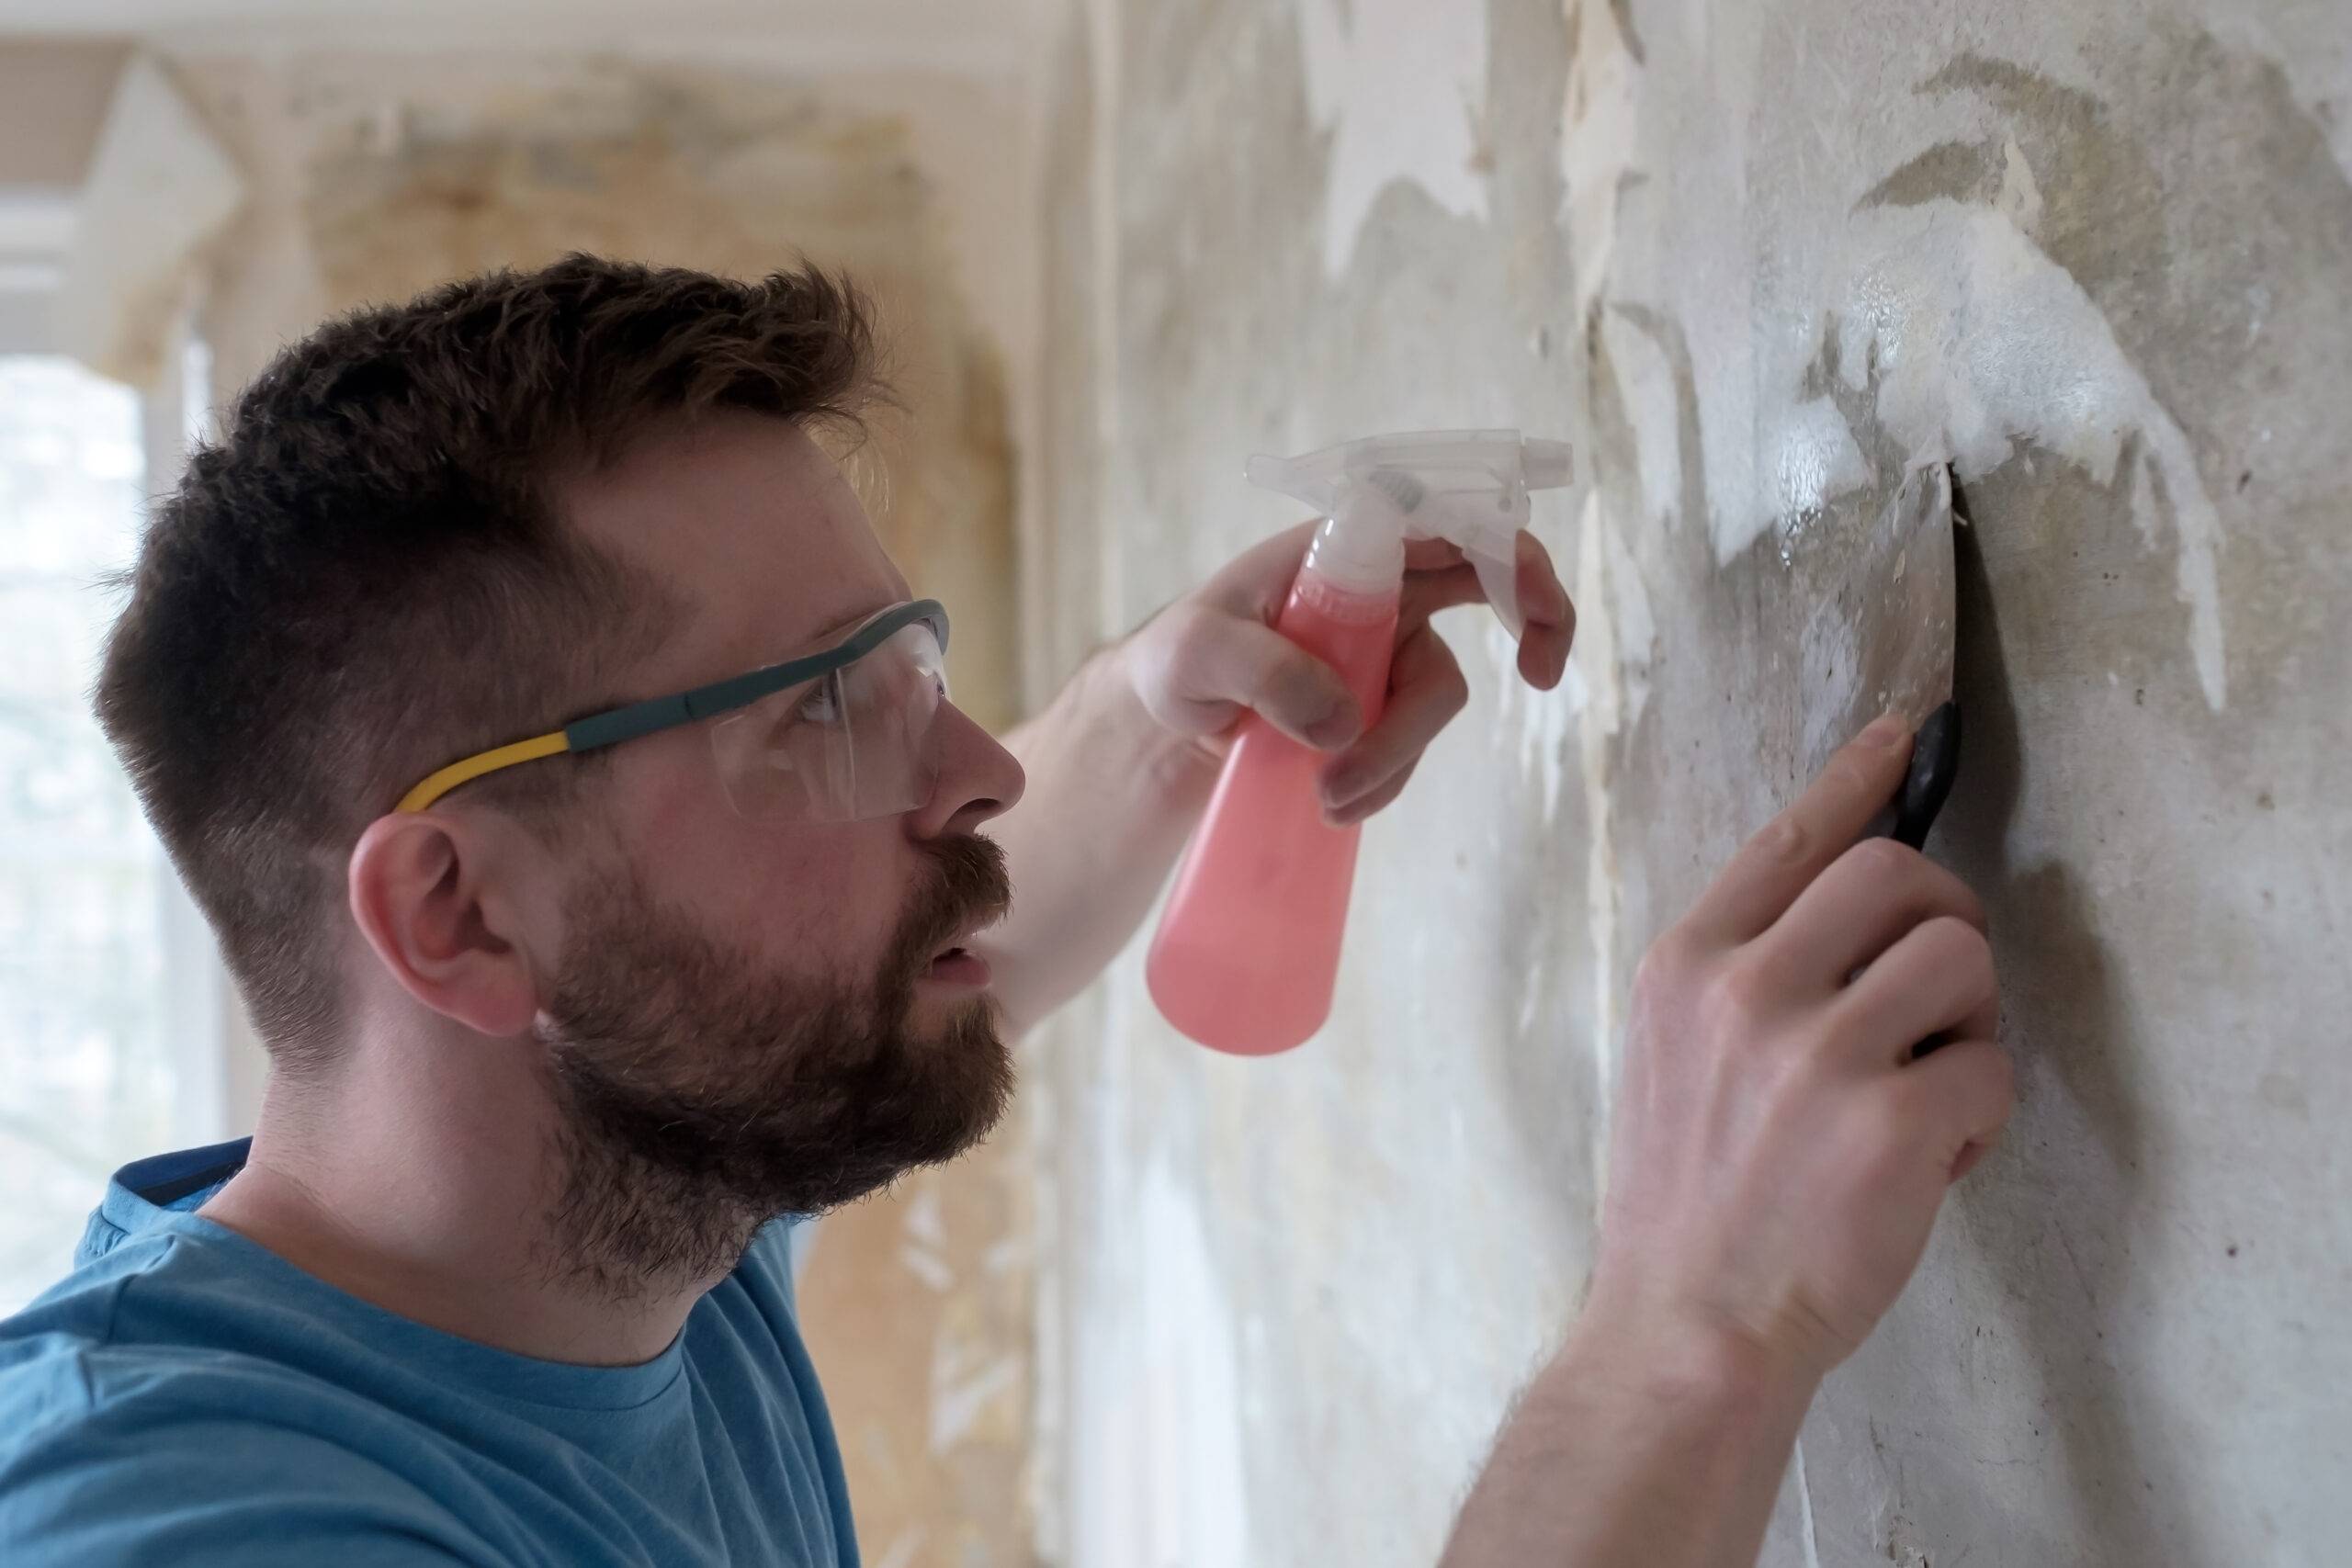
1756 261
372 176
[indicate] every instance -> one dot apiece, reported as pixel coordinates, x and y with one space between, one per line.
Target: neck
456 1208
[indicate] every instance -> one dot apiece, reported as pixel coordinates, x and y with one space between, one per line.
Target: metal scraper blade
1883 641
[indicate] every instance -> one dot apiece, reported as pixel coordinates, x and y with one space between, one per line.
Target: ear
433 900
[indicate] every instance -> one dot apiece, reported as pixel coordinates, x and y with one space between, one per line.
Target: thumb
1229 663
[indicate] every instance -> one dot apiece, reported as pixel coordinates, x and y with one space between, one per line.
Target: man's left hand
1213 654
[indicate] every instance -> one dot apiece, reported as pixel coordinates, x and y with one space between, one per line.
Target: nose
978 778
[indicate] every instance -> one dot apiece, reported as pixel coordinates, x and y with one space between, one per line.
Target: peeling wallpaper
1399 89
1758 261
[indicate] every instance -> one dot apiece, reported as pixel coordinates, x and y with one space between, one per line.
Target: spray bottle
1248 947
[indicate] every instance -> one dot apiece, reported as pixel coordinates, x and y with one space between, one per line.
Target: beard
699 1096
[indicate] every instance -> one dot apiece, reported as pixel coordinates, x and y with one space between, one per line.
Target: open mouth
958 966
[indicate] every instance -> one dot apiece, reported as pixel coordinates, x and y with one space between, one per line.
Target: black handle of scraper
1935 759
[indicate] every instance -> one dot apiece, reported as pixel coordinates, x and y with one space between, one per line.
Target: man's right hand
1776 1163
1779 1154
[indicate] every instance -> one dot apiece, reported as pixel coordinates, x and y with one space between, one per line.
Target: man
570 778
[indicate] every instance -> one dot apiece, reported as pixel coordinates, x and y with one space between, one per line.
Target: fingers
1290 689
1937 980
1969 1158
1862 905
1551 618
1228 662
1441 588
1213 654
1378 801
1426 690
1440 580
1776 865
1964 1094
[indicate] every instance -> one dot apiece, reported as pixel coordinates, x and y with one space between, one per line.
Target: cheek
813 898
833 894
810 899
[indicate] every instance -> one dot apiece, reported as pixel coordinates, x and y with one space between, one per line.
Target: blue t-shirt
186 1396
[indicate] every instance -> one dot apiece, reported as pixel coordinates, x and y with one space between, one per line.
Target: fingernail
1336 727
1340 788
1884 730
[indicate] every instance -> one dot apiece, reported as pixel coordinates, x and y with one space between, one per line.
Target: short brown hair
365 578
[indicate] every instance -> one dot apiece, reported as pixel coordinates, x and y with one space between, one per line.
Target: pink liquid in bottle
1248 948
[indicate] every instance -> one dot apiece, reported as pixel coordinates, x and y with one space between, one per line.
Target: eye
821 705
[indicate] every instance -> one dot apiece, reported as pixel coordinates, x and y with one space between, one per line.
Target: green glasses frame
690 706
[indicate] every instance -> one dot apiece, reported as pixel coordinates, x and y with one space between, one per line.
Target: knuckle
1659 975
1960 895
1894 1129
1897 1140
1848 775
1868 1135
1977 1098
1784 840
1935 888
1741 993
1455 688
1957 943
1881 861
2000 1079
1191 633
1846 1030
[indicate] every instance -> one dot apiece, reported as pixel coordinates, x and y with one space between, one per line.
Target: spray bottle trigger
1499 575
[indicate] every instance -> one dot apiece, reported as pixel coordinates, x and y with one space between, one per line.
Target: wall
56 96
1756 260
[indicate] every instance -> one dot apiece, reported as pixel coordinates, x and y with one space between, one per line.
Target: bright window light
89 1071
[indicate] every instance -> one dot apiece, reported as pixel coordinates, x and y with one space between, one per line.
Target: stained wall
1756 261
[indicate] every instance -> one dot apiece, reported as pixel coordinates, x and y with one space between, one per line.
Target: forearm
1630 1449
1112 796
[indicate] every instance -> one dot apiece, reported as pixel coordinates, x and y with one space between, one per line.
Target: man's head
438 527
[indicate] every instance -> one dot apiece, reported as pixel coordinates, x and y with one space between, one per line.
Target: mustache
967 887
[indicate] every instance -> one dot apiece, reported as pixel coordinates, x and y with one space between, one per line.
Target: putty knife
1883 642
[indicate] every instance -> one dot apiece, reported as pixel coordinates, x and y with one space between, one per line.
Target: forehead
757 529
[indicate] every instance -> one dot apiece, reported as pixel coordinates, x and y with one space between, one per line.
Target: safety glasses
834 737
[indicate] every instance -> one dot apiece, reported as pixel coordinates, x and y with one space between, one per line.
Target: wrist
1713 1371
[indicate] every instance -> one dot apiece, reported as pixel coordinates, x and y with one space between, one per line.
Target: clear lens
851 745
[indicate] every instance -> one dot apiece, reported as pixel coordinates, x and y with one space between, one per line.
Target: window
111 995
